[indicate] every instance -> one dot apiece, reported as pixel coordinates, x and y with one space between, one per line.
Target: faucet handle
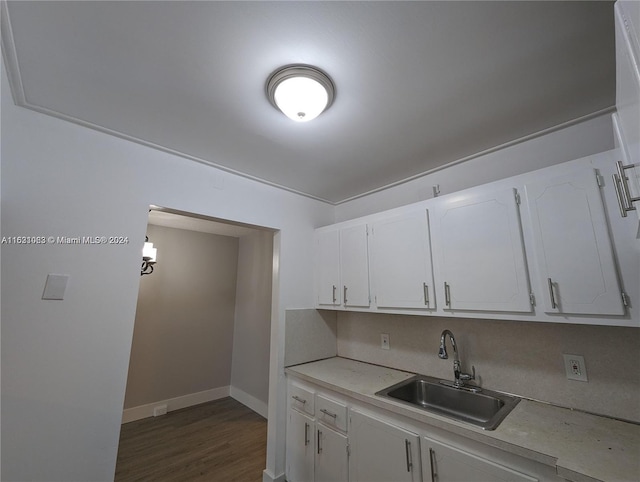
467 377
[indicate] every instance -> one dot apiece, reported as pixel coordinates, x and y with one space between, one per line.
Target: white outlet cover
384 341
575 367
159 410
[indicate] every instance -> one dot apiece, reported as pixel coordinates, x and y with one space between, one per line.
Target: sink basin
486 409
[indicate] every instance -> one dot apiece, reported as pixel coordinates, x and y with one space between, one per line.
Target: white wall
572 142
184 324
64 363
252 325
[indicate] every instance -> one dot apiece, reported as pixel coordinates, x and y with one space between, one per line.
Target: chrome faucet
460 377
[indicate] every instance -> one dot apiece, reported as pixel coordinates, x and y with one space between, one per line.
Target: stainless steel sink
485 409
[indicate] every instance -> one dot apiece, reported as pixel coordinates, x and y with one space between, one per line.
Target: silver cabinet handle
298 399
334 293
319 442
344 295
553 298
328 413
306 434
447 294
407 448
425 293
625 185
432 460
619 195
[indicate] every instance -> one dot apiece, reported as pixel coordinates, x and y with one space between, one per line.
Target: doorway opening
203 320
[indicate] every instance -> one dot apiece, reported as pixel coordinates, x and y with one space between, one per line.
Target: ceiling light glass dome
301 92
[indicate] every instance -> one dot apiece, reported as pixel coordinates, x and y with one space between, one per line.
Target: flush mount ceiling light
301 92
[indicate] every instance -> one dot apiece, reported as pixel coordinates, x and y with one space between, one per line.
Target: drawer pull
328 413
447 294
298 399
432 462
553 298
334 294
425 293
407 448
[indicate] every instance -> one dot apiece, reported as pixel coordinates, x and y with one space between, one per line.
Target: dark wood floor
217 441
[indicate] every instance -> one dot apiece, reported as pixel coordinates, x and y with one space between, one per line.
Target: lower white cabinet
445 463
331 459
317 444
341 439
382 452
300 447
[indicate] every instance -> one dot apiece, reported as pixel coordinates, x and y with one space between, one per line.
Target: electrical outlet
575 368
384 341
159 410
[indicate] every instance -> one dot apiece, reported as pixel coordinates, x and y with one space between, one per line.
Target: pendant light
149 254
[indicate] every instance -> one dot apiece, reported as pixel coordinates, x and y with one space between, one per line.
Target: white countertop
582 447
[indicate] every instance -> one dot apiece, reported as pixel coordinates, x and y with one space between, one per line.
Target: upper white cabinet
479 252
401 262
354 263
573 252
627 119
548 245
327 252
342 267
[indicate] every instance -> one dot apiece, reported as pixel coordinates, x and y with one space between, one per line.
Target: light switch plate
55 287
575 368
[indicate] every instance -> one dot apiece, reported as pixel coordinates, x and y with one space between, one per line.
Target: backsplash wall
522 358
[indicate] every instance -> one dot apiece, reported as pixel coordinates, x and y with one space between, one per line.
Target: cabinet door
444 463
354 263
332 460
573 252
401 262
480 253
328 268
381 452
627 119
300 447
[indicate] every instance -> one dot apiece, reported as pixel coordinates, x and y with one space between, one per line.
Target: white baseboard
144 411
250 401
269 477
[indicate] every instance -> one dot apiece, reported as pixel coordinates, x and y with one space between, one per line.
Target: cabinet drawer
301 399
331 413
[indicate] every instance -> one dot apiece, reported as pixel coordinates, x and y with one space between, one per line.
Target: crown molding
10 56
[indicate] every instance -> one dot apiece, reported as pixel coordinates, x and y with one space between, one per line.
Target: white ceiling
419 84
